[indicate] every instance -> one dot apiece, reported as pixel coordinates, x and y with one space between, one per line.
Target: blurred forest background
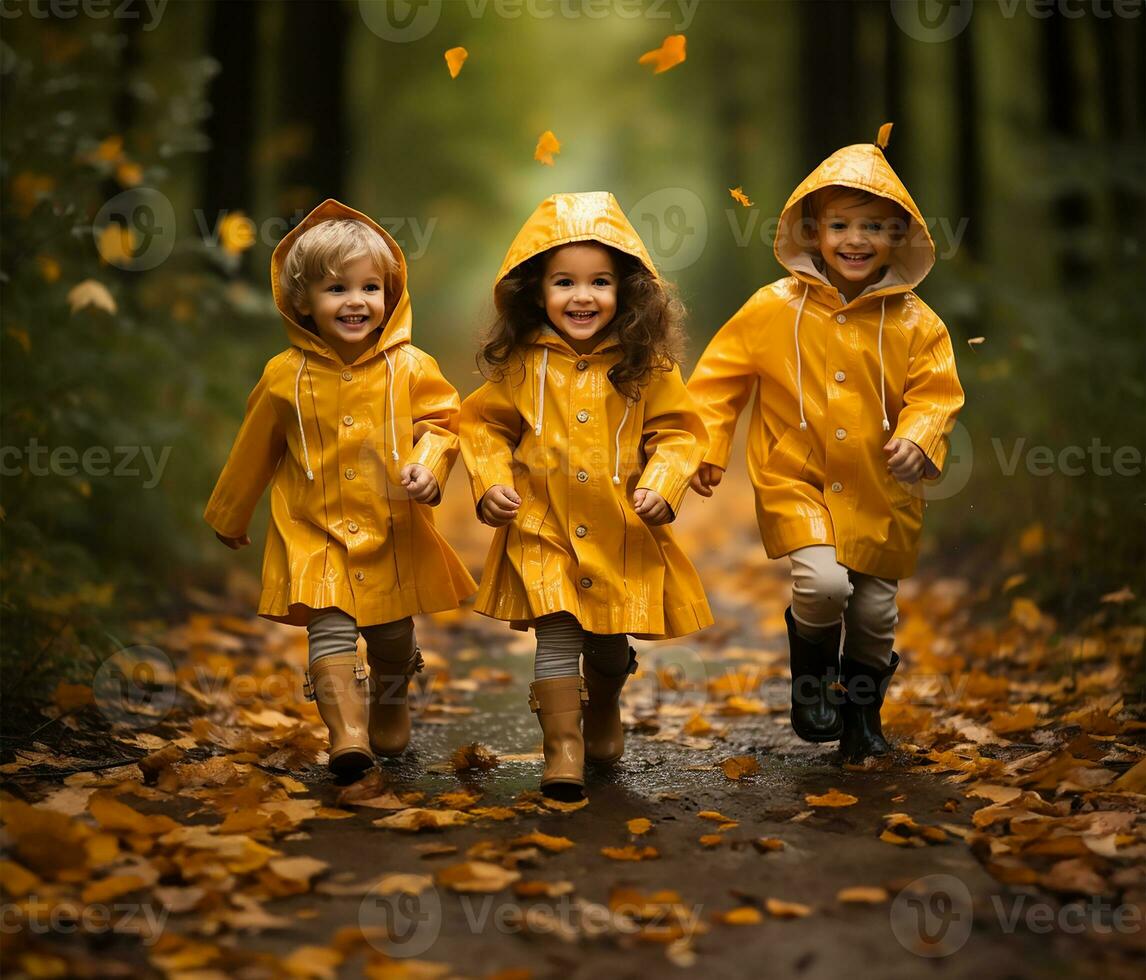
152 159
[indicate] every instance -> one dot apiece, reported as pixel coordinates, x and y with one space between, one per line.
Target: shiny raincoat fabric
576 544
350 538
828 484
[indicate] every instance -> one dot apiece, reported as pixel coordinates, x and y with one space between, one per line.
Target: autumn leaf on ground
862 895
715 816
670 54
542 889
737 194
415 819
547 147
476 876
91 293
832 797
767 844
455 58
740 766
1125 594
546 842
630 853
639 825
711 840
746 915
473 756
786 910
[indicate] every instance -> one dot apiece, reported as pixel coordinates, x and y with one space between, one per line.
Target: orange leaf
739 766
786 910
862 894
670 54
738 195
547 146
630 853
455 58
639 825
832 797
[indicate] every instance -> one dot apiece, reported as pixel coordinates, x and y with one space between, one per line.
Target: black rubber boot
815 669
866 686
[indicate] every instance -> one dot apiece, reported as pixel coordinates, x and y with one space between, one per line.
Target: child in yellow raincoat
856 395
580 447
355 430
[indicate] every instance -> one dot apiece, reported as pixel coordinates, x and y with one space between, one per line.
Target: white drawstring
882 386
541 391
298 413
617 445
799 380
390 393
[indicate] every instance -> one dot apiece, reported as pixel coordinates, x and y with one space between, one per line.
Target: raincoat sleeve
724 379
435 408
932 397
674 437
254 457
490 431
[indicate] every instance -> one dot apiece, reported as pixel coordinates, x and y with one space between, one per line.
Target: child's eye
373 287
837 226
563 282
601 282
875 226
336 288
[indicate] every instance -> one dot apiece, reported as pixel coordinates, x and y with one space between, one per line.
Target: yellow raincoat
351 537
858 373
556 430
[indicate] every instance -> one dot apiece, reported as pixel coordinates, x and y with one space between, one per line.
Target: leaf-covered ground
175 817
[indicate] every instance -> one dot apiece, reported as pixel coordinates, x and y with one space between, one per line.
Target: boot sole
564 792
351 761
817 737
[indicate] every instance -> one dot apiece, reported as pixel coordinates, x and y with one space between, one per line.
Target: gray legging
333 631
561 641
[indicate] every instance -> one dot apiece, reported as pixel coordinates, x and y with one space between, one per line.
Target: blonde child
857 392
355 431
580 447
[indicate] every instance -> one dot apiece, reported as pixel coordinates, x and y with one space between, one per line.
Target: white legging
823 591
333 631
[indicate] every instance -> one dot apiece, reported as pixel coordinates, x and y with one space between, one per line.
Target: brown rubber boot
337 684
557 702
389 709
604 736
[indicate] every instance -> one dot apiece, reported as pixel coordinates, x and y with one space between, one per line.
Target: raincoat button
350 474
352 527
348 420
837 487
840 318
586 582
841 433
840 376
360 575
347 375
582 530
582 416
582 365
582 476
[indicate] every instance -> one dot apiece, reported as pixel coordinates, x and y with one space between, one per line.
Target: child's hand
906 461
705 478
652 508
234 543
420 483
499 505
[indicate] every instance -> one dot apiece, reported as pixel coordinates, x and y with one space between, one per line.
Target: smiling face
579 292
856 239
348 308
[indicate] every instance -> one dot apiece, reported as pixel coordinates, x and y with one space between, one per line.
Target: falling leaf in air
832 797
1122 595
547 146
455 58
236 233
91 293
670 54
738 195
974 342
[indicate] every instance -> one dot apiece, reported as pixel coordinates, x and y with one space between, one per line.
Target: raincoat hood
863 167
397 327
561 219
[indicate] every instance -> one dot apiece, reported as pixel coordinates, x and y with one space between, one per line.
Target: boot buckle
359 670
307 686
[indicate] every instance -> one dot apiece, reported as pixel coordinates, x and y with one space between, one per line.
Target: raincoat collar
561 219
399 320
863 167
546 336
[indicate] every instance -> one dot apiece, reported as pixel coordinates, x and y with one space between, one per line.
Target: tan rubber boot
389 709
604 736
557 702
337 684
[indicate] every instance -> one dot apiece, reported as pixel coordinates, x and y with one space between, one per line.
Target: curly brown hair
648 322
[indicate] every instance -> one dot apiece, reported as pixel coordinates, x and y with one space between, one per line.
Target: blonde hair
326 249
